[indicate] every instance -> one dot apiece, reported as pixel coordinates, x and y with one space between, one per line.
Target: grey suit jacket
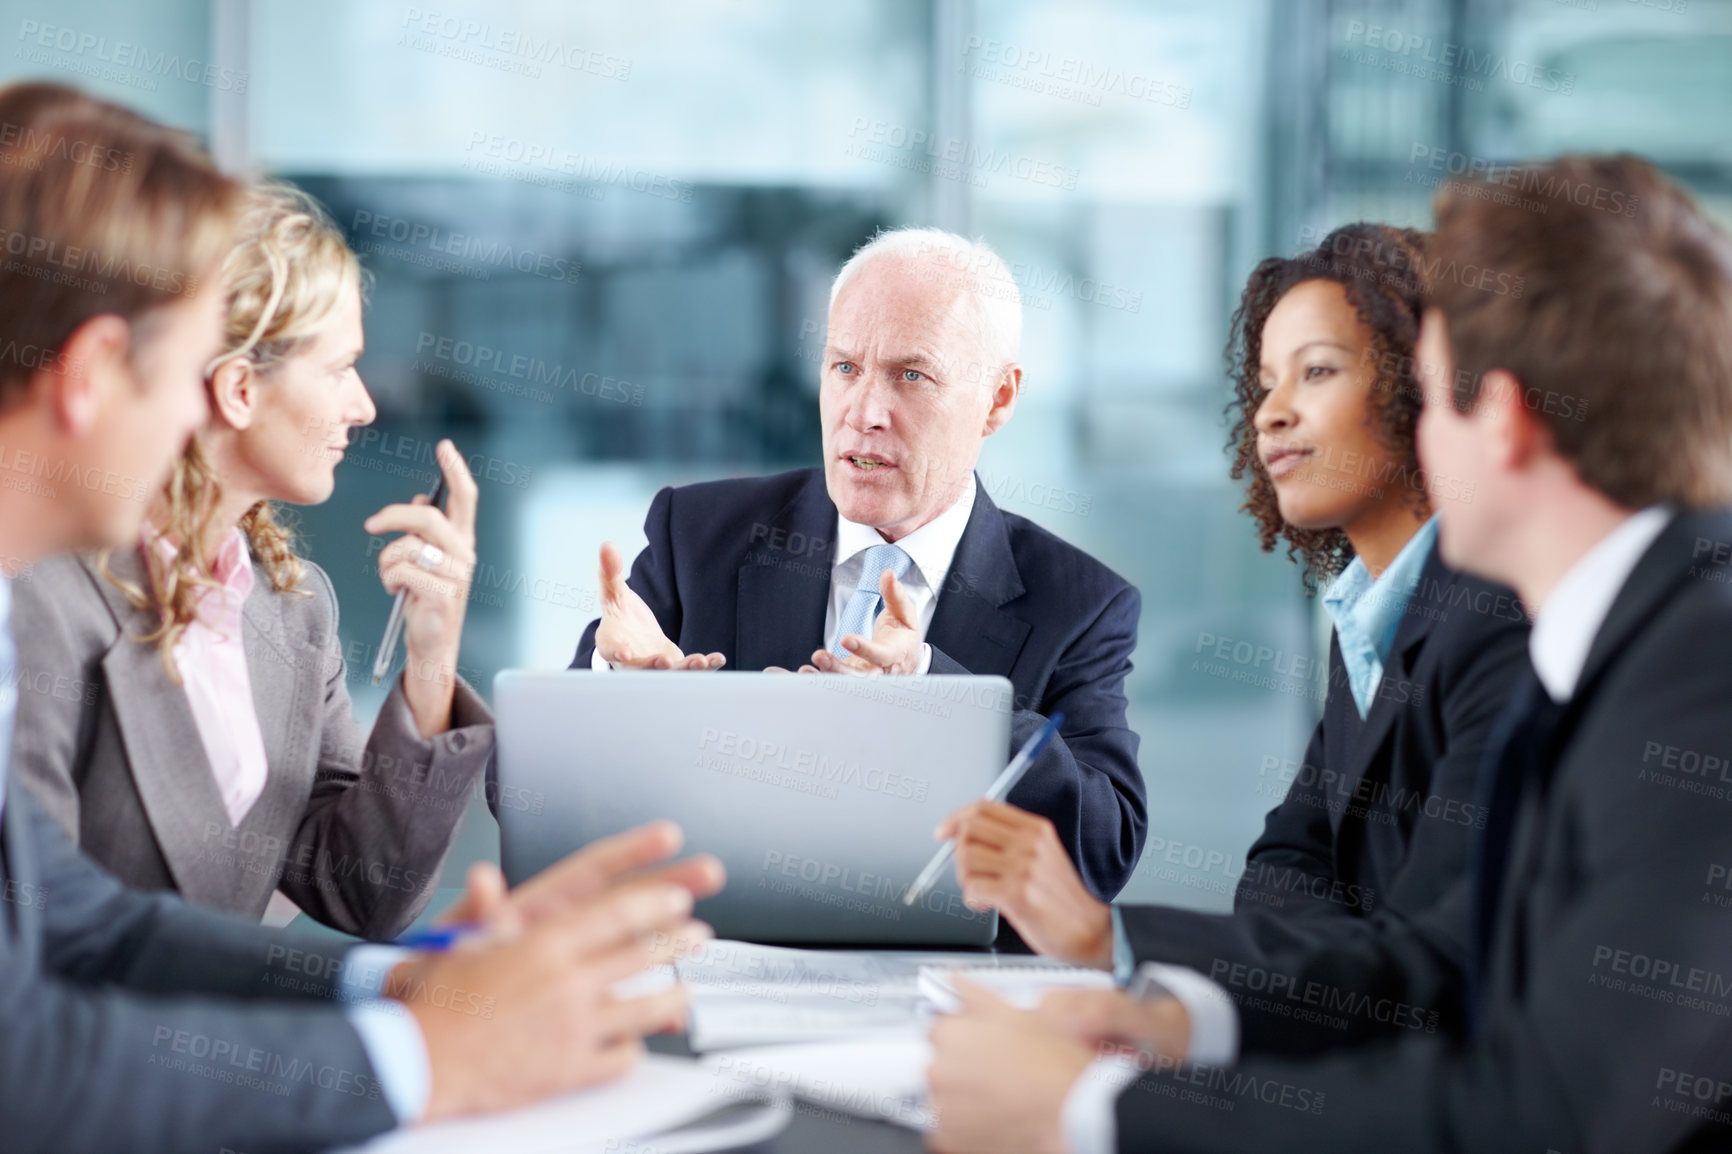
353 831
136 1022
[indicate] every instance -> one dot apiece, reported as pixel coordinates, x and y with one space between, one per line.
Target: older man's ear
1004 396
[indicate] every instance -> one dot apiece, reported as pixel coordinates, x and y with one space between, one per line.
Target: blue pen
439 939
997 791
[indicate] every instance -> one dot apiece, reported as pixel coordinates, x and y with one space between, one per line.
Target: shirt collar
1374 609
932 547
1565 626
232 567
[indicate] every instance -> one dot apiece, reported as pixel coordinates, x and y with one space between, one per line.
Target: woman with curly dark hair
1325 398
1365 858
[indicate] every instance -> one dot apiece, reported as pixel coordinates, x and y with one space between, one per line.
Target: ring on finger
430 557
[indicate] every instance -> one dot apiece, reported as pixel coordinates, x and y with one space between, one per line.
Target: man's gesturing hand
509 1023
630 858
1011 860
629 634
895 645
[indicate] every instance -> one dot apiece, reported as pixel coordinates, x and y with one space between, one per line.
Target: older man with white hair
890 559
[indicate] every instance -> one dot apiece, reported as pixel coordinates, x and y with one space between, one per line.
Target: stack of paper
748 995
665 1106
842 1031
1022 985
871 1078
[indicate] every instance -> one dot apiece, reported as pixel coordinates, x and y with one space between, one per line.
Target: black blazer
742 567
1608 965
1372 835
137 1022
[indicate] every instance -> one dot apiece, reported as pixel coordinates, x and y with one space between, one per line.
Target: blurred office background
601 237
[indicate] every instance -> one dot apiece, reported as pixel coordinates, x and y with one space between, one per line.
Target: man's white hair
996 301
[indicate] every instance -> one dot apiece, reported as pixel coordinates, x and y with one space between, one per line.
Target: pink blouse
213 670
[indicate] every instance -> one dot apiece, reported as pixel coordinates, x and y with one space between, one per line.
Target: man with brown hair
1602 966
135 1022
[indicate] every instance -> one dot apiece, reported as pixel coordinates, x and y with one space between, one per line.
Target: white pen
997 791
394 624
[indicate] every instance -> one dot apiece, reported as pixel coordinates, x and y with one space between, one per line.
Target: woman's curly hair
1382 270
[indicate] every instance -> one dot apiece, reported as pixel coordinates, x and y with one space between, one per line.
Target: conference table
810 1133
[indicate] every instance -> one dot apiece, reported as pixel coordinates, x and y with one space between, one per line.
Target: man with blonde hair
889 558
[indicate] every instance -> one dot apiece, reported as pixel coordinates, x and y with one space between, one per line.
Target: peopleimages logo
968 161
507 151
417 234
1412 52
28 146
520 366
93 49
522 46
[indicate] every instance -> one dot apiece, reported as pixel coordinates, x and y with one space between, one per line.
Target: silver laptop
818 792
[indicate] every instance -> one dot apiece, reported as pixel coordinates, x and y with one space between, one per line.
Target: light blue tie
862 608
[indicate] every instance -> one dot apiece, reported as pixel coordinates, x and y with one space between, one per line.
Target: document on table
744 968
750 995
745 995
721 1024
1022 985
667 1105
869 1077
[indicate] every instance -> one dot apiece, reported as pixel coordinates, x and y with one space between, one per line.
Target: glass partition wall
600 240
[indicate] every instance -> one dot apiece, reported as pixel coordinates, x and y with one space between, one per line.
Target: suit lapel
1516 812
1502 788
969 624
288 674
1665 565
164 751
784 593
14 859
1394 691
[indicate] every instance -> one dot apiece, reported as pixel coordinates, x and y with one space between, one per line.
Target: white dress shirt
932 548
1566 625
1563 632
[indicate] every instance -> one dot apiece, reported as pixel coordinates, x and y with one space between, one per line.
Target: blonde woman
193 731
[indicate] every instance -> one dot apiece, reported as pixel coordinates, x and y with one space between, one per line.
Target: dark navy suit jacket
1603 985
1364 862
742 568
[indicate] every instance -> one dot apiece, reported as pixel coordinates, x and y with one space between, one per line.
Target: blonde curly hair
284 279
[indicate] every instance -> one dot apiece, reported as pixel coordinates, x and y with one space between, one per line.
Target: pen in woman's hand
394 627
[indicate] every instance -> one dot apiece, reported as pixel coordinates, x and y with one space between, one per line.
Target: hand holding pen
429 569
997 791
